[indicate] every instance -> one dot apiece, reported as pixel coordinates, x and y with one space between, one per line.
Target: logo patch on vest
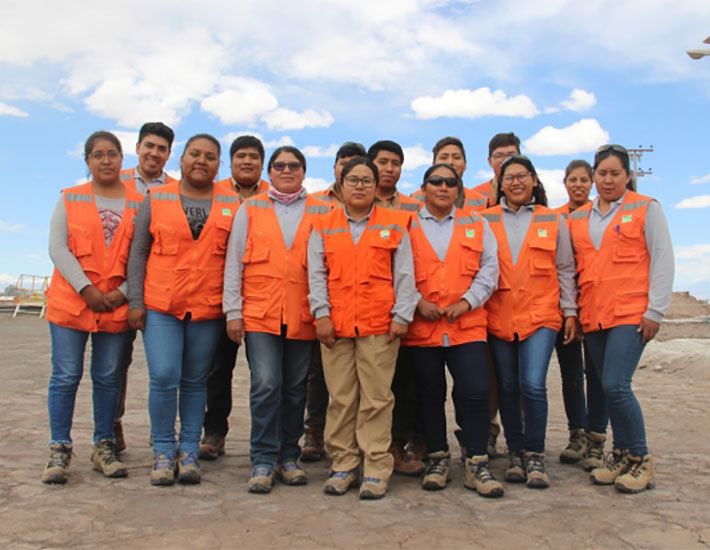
470 233
626 218
226 212
542 232
385 233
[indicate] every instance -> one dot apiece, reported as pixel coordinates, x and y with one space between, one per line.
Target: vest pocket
79 241
165 241
420 328
630 303
257 248
72 307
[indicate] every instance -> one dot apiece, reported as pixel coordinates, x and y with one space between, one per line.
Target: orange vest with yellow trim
105 267
528 294
614 280
128 177
473 201
275 288
360 279
262 187
486 189
182 274
445 282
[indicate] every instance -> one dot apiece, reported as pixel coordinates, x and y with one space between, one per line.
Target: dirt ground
91 511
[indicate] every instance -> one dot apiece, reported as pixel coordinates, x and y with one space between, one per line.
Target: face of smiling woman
287 173
611 178
199 163
104 162
517 184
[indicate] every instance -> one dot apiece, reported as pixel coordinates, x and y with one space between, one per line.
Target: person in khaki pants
362 295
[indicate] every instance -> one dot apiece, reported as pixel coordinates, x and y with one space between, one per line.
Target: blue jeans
521 369
108 351
179 354
591 417
614 353
277 397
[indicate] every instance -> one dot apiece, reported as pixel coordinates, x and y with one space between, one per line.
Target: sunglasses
281 166
436 181
612 147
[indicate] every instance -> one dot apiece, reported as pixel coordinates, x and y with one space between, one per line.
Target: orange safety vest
128 177
360 279
226 183
105 267
275 288
182 274
614 280
486 189
528 293
407 204
329 196
445 282
473 201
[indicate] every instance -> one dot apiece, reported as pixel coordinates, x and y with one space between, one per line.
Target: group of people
351 303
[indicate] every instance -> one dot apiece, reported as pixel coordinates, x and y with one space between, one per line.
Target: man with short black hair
247 162
501 147
388 156
348 151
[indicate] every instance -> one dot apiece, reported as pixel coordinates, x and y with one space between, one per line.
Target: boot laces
596 449
576 441
535 464
107 451
59 456
482 473
436 466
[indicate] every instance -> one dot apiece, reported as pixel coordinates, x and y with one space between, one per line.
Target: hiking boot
615 465
403 463
416 448
211 447
595 451
577 447
535 471
261 480
104 459
338 483
372 488
479 478
438 471
313 445
638 475
188 468
291 473
118 436
164 466
57 468
516 470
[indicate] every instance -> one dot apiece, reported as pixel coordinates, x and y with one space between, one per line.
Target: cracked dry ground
91 511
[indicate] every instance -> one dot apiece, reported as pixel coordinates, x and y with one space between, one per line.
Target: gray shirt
516 226
142 186
405 291
658 244
59 251
289 217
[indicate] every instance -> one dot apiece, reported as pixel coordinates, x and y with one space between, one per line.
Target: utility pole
635 155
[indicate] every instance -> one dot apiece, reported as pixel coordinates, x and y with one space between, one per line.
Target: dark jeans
406 420
123 380
615 353
219 387
591 417
469 370
317 395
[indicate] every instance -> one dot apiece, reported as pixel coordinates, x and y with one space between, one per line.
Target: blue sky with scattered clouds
565 76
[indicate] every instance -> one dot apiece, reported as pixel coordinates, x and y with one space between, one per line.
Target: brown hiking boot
535 471
638 475
261 480
577 447
164 468
291 473
313 445
595 451
416 448
403 463
188 468
104 459
57 468
438 471
615 466
118 436
479 478
338 483
372 488
516 470
211 447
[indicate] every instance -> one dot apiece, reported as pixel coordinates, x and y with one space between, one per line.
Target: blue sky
564 76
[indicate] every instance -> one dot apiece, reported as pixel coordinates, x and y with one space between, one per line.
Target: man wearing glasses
500 148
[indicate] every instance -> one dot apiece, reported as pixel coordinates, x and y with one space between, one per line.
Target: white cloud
316 151
692 252
128 142
700 179
174 174
416 157
474 104
407 187
287 119
276 143
11 227
692 268
580 100
9 110
315 184
242 103
581 137
553 180
482 175
701 201
7 279
33 256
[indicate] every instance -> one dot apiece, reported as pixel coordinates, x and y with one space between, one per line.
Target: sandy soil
91 511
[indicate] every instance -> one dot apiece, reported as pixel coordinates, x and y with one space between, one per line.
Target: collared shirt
391 202
658 244
334 191
142 186
405 291
289 217
516 226
245 191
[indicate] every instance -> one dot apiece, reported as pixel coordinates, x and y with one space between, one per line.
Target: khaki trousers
358 373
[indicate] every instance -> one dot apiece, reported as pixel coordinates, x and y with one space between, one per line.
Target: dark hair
449 140
538 191
350 149
242 142
434 167
385 145
93 138
357 161
157 129
208 137
503 140
287 149
620 152
577 163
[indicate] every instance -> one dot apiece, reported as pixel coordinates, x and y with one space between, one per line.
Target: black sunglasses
436 181
613 147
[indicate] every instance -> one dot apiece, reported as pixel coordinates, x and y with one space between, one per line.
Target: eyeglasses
614 147
99 156
436 181
502 156
281 166
353 181
523 177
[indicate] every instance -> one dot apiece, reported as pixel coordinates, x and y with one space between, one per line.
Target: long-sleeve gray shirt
658 244
516 226
406 295
142 186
